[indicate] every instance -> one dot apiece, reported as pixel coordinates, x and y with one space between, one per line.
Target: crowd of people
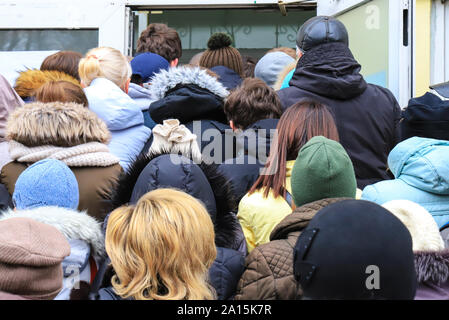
288 177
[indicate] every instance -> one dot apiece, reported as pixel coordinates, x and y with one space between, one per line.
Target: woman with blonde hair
161 248
105 74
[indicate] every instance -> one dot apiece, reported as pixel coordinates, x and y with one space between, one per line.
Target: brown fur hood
57 124
30 80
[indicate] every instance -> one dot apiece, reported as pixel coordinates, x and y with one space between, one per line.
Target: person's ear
174 63
231 124
126 86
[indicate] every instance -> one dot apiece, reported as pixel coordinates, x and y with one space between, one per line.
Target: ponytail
104 62
89 69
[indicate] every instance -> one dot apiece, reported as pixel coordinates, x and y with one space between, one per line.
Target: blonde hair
104 62
162 248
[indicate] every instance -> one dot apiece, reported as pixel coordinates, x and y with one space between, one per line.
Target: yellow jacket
258 215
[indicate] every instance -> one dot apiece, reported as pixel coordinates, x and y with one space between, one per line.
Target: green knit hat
322 170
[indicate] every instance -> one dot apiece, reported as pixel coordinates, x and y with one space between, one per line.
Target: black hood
175 171
187 94
255 136
329 70
202 181
228 77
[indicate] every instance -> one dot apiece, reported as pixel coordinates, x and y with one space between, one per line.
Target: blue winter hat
48 182
147 64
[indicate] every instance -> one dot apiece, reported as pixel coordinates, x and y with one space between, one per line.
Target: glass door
255 31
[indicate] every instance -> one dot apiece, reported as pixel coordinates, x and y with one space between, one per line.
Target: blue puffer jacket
123 118
421 168
225 272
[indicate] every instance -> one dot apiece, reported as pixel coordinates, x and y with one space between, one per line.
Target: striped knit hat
220 53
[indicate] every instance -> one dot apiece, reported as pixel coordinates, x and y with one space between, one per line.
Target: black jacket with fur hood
202 181
196 99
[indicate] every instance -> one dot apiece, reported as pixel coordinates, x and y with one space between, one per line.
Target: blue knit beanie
48 182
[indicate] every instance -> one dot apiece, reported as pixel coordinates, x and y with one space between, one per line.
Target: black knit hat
355 249
220 53
426 117
319 30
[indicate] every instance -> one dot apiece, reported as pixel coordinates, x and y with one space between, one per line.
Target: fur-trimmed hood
56 123
166 80
432 266
226 224
74 225
283 74
30 80
187 94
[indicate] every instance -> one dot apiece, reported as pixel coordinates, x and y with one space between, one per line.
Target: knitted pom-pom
219 40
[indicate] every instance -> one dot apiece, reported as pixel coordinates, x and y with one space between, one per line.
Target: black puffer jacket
366 115
228 77
196 99
225 272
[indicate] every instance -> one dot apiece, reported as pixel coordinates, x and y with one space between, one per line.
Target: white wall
107 16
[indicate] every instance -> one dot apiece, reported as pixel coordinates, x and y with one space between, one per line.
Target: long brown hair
65 61
299 123
62 91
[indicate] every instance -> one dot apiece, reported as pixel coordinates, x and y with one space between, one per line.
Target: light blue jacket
123 118
421 168
142 97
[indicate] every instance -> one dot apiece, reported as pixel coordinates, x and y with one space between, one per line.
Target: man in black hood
366 115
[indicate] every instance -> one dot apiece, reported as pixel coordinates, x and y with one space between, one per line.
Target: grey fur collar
166 80
432 266
74 225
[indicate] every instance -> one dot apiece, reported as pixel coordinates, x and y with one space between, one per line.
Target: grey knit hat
271 65
31 255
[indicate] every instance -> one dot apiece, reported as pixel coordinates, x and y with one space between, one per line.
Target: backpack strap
289 199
